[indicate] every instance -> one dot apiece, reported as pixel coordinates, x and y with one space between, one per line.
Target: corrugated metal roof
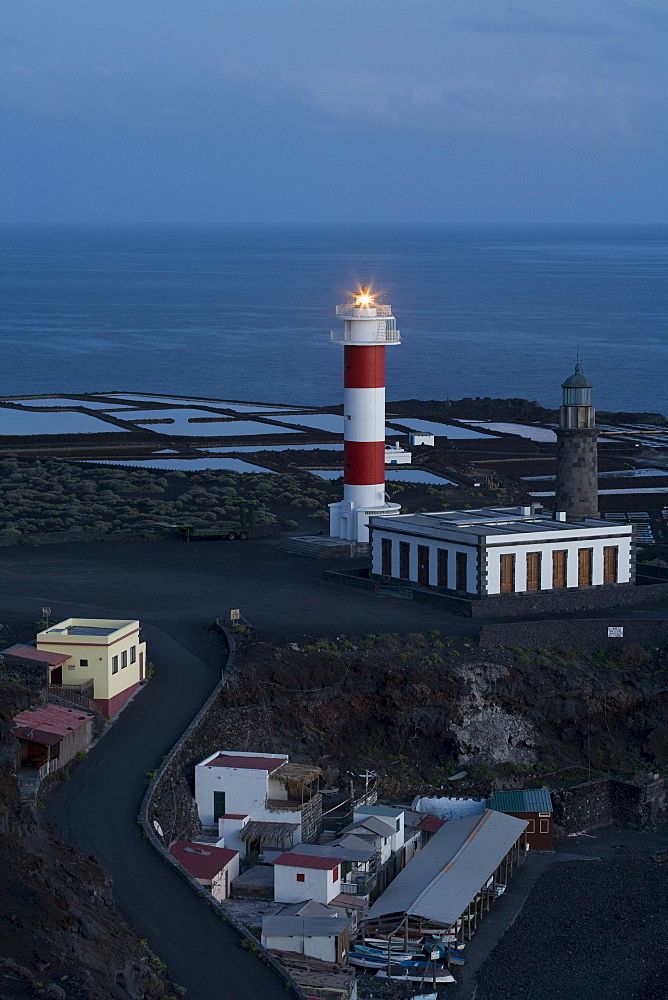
41 655
525 801
53 720
281 926
373 824
431 824
443 878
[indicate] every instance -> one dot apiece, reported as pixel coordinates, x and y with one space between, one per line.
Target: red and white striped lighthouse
367 329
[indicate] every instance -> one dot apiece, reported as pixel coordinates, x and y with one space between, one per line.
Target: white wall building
258 800
298 877
390 815
421 437
375 832
213 867
504 550
396 455
325 938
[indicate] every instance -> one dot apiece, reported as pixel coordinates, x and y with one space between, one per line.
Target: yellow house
110 653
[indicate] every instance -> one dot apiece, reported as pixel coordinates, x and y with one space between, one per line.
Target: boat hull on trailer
441 977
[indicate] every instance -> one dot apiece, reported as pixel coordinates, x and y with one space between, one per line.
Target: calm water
246 314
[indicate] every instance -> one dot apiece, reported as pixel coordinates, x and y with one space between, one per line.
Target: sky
332 111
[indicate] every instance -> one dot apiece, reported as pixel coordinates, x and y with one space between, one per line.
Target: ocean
246 313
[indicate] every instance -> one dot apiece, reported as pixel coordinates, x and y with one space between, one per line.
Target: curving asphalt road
175 590
97 810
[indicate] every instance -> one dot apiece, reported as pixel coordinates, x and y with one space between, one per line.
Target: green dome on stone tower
578 380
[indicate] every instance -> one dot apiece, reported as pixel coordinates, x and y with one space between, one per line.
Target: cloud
365 96
515 20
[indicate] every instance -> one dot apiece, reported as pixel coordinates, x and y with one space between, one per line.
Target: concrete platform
323 547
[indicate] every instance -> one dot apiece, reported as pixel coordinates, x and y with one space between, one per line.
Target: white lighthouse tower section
368 329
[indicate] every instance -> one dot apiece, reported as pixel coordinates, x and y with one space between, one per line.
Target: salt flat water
246 313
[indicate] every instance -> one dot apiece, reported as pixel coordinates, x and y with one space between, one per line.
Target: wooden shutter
462 571
423 565
386 556
508 574
610 564
559 564
533 570
585 567
404 560
442 568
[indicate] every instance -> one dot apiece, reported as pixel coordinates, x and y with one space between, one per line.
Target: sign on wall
615 631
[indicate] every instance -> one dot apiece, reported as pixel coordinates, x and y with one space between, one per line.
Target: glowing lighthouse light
367 329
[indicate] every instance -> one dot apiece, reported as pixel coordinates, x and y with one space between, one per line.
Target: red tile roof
432 824
294 860
48 725
233 816
42 655
201 860
251 763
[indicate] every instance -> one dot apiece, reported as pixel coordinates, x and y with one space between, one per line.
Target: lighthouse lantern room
368 328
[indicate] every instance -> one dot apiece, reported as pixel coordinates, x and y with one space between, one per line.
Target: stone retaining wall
514 605
28 673
606 801
575 633
163 783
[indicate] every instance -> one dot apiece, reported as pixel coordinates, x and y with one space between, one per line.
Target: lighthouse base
350 521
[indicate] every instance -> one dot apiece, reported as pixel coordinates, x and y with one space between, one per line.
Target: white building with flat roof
259 801
502 550
396 455
299 876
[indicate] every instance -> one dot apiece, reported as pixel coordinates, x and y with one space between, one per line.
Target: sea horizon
244 310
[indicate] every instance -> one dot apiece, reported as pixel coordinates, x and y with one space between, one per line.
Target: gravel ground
594 927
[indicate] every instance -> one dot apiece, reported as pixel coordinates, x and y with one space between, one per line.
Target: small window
83 663
124 659
301 877
532 826
398 824
335 873
545 826
114 664
384 841
133 654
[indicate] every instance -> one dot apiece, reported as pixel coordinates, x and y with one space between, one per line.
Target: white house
259 801
299 876
360 862
213 867
375 832
325 938
421 437
390 815
396 455
501 550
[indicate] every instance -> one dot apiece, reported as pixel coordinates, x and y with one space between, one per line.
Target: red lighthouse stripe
363 462
363 368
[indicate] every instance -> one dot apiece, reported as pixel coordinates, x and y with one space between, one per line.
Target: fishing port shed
449 885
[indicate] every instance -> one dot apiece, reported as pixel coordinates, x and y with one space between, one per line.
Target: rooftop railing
348 310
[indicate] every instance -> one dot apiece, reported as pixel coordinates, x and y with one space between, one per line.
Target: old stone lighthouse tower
577 462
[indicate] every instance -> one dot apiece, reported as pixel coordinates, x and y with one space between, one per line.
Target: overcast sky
252 111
